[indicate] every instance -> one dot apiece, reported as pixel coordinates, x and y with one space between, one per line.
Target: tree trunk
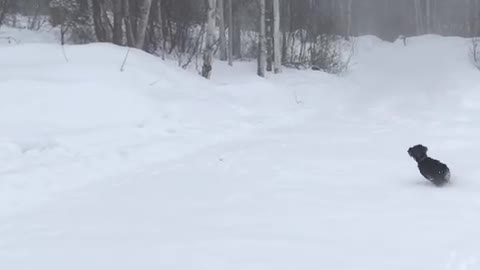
473 22
419 17
117 22
476 18
269 33
230 33
434 17
159 20
99 25
237 34
221 25
3 10
284 47
277 46
128 23
285 27
144 10
261 44
208 53
428 16
349 18
83 6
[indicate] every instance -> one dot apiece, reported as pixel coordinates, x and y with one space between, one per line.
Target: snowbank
68 120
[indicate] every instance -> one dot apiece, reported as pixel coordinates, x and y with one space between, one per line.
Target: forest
301 33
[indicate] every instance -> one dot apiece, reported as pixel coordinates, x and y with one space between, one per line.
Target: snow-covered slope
156 168
66 122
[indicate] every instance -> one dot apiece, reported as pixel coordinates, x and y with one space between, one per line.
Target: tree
144 12
261 42
230 33
237 31
73 18
4 4
285 25
419 18
128 23
100 21
476 18
221 25
428 16
269 33
276 37
117 22
159 26
473 22
208 52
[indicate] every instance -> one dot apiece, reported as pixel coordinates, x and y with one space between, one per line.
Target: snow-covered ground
157 168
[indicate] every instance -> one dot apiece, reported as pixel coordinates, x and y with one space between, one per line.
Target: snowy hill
86 119
156 168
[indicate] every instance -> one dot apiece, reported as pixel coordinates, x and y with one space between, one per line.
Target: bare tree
473 16
428 16
434 17
476 18
237 31
221 26
3 9
277 46
230 33
261 43
286 26
128 23
144 12
419 17
208 52
159 21
117 22
99 19
269 33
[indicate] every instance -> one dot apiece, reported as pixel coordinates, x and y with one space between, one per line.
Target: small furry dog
432 169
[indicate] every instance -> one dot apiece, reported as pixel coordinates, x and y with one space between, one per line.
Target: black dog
432 169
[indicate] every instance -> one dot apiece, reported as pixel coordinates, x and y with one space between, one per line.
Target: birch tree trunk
277 46
128 23
261 43
269 33
117 22
287 19
144 12
99 25
221 25
230 33
237 32
208 53
160 27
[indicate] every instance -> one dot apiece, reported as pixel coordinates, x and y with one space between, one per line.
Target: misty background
309 34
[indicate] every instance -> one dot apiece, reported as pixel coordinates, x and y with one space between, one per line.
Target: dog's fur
432 169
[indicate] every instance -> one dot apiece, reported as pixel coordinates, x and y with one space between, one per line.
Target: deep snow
156 168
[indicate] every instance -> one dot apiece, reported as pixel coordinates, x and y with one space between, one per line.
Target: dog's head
418 152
